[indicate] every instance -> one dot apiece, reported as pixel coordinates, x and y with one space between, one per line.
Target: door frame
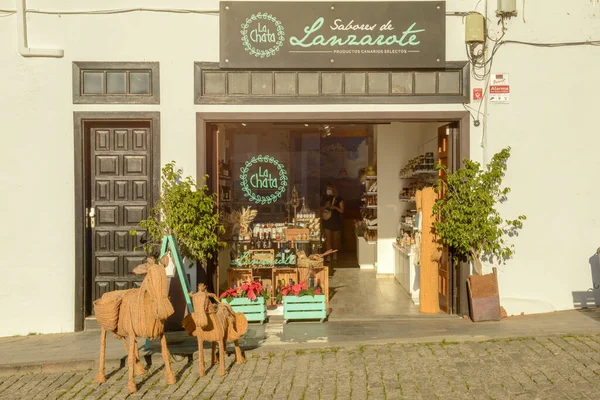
81 123
461 150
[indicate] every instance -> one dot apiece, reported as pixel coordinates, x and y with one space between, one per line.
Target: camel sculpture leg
222 349
100 377
213 360
239 358
201 369
166 356
139 367
131 387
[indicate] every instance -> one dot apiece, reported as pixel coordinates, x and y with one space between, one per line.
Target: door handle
92 215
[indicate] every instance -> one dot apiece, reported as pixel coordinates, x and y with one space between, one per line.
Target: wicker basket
308 263
240 328
189 325
107 308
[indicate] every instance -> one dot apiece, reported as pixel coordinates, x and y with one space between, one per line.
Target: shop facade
153 95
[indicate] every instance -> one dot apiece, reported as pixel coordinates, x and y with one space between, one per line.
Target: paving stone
544 368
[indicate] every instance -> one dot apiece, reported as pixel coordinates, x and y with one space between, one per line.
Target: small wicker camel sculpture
139 312
215 323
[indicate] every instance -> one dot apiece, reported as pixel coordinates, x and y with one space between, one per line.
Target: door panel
120 196
444 281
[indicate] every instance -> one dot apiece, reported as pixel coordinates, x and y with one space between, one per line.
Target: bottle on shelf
280 256
268 243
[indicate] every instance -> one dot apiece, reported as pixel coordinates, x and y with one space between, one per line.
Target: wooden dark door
444 278
119 196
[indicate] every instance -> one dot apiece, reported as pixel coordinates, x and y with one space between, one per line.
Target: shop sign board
332 35
499 88
264 259
263 179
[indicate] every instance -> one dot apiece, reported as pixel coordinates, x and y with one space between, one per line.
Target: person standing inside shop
333 208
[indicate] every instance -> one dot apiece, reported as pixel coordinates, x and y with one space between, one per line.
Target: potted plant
186 210
249 298
301 302
471 226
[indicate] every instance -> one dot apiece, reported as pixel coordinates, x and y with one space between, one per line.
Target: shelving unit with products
369 208
419 173
225 186
275 254
366 229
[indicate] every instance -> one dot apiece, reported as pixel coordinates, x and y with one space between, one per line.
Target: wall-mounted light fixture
507 8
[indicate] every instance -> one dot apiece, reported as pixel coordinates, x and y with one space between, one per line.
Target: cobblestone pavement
559 367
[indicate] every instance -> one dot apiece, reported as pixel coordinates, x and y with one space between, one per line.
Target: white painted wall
549 124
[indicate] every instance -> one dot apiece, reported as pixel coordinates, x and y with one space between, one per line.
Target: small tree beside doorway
467 219
188 211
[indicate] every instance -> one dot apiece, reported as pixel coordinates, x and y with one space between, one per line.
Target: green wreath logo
246 40
257 198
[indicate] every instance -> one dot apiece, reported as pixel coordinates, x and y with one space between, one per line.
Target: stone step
91 324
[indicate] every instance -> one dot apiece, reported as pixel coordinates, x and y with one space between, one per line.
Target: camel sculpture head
155 287
201 303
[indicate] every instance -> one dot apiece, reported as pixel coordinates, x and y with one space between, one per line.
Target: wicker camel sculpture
216 323
139 312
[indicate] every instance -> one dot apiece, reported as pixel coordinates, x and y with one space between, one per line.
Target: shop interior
273 177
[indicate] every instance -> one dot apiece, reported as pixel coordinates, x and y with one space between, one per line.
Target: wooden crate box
321 273
304 307
255 311
238 276
283 273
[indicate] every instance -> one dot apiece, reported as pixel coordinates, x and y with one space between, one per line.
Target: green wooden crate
254 310
304 307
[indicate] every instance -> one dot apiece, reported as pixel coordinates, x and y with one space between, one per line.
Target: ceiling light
305 124
243 124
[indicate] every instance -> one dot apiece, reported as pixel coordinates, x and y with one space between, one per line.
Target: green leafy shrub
467 220
186 210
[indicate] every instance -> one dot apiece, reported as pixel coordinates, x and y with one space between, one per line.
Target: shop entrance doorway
372 168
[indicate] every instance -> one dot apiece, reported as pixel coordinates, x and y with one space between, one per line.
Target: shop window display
269 199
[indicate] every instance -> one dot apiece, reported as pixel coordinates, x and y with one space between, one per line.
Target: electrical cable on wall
117 11
479 63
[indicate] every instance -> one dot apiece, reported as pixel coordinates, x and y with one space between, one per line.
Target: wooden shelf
420 174
408 226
